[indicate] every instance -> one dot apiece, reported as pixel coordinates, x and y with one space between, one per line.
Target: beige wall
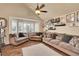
71 30
55 9
15 10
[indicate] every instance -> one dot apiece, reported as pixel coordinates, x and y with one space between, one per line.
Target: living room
39 29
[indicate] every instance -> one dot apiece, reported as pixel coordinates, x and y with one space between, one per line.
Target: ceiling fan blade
44 11
43 5
37 8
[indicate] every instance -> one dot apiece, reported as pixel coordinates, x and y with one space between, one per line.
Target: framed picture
77 19
70 18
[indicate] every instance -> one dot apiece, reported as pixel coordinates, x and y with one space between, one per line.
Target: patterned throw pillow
73 41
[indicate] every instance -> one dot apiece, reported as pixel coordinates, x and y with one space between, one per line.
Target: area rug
39 50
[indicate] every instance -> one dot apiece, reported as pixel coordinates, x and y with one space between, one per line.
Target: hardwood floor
16 51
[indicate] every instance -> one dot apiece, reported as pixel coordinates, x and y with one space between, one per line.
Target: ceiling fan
38 9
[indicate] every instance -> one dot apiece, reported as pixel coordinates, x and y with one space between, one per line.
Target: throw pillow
21 35
73 41
48 35
66 38
53 36
39 33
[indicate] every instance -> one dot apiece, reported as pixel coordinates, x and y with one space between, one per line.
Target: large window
24 26
20 27
14 26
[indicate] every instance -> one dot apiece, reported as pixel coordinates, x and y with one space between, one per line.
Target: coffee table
39 50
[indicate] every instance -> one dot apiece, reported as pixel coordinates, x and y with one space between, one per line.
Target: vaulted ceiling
55 9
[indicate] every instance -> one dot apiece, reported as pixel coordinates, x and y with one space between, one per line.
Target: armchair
16 41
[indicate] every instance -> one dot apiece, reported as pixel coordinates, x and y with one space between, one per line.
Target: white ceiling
55 9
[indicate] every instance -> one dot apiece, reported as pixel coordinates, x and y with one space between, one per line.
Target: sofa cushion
66 46
69 47
47 39
21 38
55 42
59 36
32 34
66 38
76 50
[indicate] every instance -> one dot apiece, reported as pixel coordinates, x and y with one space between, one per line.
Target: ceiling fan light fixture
37 12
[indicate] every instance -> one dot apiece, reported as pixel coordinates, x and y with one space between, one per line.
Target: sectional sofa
16 40
65 43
